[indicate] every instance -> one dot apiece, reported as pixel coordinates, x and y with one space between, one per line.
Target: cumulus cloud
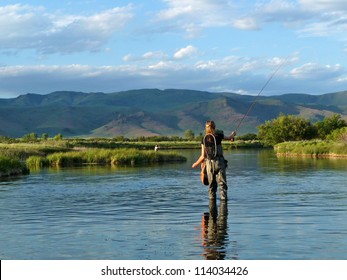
192 16
151 55
235 73
314 71
324 5
203 12
307 17
246 23
185 52
27 27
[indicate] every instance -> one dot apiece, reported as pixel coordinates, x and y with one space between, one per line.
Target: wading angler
212 160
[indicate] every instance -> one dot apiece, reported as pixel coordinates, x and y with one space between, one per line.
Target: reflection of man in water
214 231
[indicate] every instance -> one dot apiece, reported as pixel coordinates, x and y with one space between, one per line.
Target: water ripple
278 209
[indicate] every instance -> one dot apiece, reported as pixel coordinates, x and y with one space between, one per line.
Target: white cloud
247 23
26 27
151 55
204 12
185 52
324 5
282 11
314 71
309 17
239 74
194 15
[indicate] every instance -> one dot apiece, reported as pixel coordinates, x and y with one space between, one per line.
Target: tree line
281 129
293 128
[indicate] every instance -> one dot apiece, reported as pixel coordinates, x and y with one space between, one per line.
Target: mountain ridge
149 112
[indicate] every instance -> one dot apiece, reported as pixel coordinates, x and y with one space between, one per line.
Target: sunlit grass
105 157
10 167
314 148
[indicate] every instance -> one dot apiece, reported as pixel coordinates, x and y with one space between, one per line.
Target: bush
328 125
11 167
314 148
36 162
338 135
31 137
285 128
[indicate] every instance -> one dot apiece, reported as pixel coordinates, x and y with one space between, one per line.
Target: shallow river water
277 209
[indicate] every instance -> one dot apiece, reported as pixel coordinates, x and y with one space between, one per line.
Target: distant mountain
150 112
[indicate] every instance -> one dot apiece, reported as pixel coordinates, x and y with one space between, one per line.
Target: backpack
210 145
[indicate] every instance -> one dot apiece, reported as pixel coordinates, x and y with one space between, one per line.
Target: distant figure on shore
156 148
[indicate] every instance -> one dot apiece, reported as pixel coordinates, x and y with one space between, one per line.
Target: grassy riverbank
314 148
12 167
103 156
78 151
23 150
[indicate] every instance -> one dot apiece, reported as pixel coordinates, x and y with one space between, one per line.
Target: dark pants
216 174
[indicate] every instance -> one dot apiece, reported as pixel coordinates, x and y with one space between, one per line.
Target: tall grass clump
314 148
137 157
65 159
96 156
12 167
106 157
37 162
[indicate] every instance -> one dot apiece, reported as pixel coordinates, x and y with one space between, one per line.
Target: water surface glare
277 209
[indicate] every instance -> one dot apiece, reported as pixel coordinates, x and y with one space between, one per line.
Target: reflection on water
278 209
214 231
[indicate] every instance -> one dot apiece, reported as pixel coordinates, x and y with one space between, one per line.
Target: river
278 208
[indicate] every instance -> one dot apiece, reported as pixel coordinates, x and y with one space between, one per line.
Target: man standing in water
212 154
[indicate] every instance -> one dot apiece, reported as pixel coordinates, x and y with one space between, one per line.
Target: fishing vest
212 149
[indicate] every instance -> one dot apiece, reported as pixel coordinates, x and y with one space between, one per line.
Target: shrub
10 167
285 128
35 162
328 125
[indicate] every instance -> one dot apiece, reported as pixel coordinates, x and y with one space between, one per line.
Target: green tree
58 137
248 136
328 125
285 128
31 137
189 134
339 135
44 136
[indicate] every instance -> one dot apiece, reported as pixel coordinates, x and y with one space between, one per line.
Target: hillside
150 112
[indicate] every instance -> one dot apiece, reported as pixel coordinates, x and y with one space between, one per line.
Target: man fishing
212 156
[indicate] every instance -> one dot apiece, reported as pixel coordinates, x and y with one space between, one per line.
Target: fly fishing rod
262 89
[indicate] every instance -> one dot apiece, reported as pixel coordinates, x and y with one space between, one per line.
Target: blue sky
211 45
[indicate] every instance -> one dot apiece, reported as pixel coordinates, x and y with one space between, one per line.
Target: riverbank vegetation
294 136
104 157
293 128
39 152
25 147
289 135
312 148
12 167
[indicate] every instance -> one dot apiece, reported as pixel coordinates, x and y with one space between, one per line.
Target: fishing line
262 89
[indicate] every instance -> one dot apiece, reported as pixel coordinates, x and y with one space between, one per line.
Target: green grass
104 157
37 162
11 167
105 151
24 150
314 148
